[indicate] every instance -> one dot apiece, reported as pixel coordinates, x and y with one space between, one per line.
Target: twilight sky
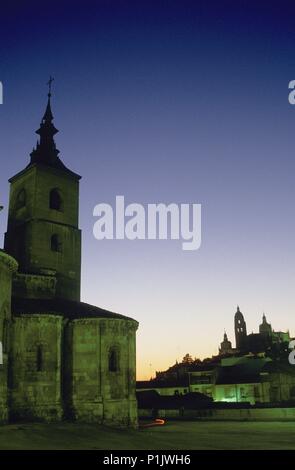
167 101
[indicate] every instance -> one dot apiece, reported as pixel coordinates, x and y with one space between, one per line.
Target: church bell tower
240 330
43 233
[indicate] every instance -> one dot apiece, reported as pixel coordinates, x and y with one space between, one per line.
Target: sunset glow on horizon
183 105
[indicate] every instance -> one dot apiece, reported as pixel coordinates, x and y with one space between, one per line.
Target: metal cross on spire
49 83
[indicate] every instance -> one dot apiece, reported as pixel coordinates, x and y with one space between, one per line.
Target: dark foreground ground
173 435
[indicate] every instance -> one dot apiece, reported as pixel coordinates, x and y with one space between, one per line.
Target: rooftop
67 308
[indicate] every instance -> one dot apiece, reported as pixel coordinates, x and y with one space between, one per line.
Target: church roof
58 165
248 372
252 371
45 153
67 308
164 383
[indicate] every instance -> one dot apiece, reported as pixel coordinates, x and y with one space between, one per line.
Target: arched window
39 359
21 199
55 243
113 360
6 329
55 200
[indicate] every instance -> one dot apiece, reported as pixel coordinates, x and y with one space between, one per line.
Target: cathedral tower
240 330
43 234
265 328
225 346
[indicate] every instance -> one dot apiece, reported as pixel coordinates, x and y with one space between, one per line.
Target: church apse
8 267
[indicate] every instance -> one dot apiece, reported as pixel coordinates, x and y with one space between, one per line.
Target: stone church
60 358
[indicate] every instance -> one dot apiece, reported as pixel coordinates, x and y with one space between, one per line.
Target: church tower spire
43 230
46 150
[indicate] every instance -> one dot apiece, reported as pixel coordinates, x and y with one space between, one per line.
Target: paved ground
173 435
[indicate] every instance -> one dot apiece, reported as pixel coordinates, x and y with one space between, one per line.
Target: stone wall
100 387
32 224
119 388
7 267
35 372
34 286
81 370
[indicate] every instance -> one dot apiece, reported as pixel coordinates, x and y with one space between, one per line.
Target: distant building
267 340
225 346
255 371
240 330
165 387
251 379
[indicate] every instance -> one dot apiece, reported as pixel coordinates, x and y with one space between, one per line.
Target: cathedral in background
265 341
256 371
